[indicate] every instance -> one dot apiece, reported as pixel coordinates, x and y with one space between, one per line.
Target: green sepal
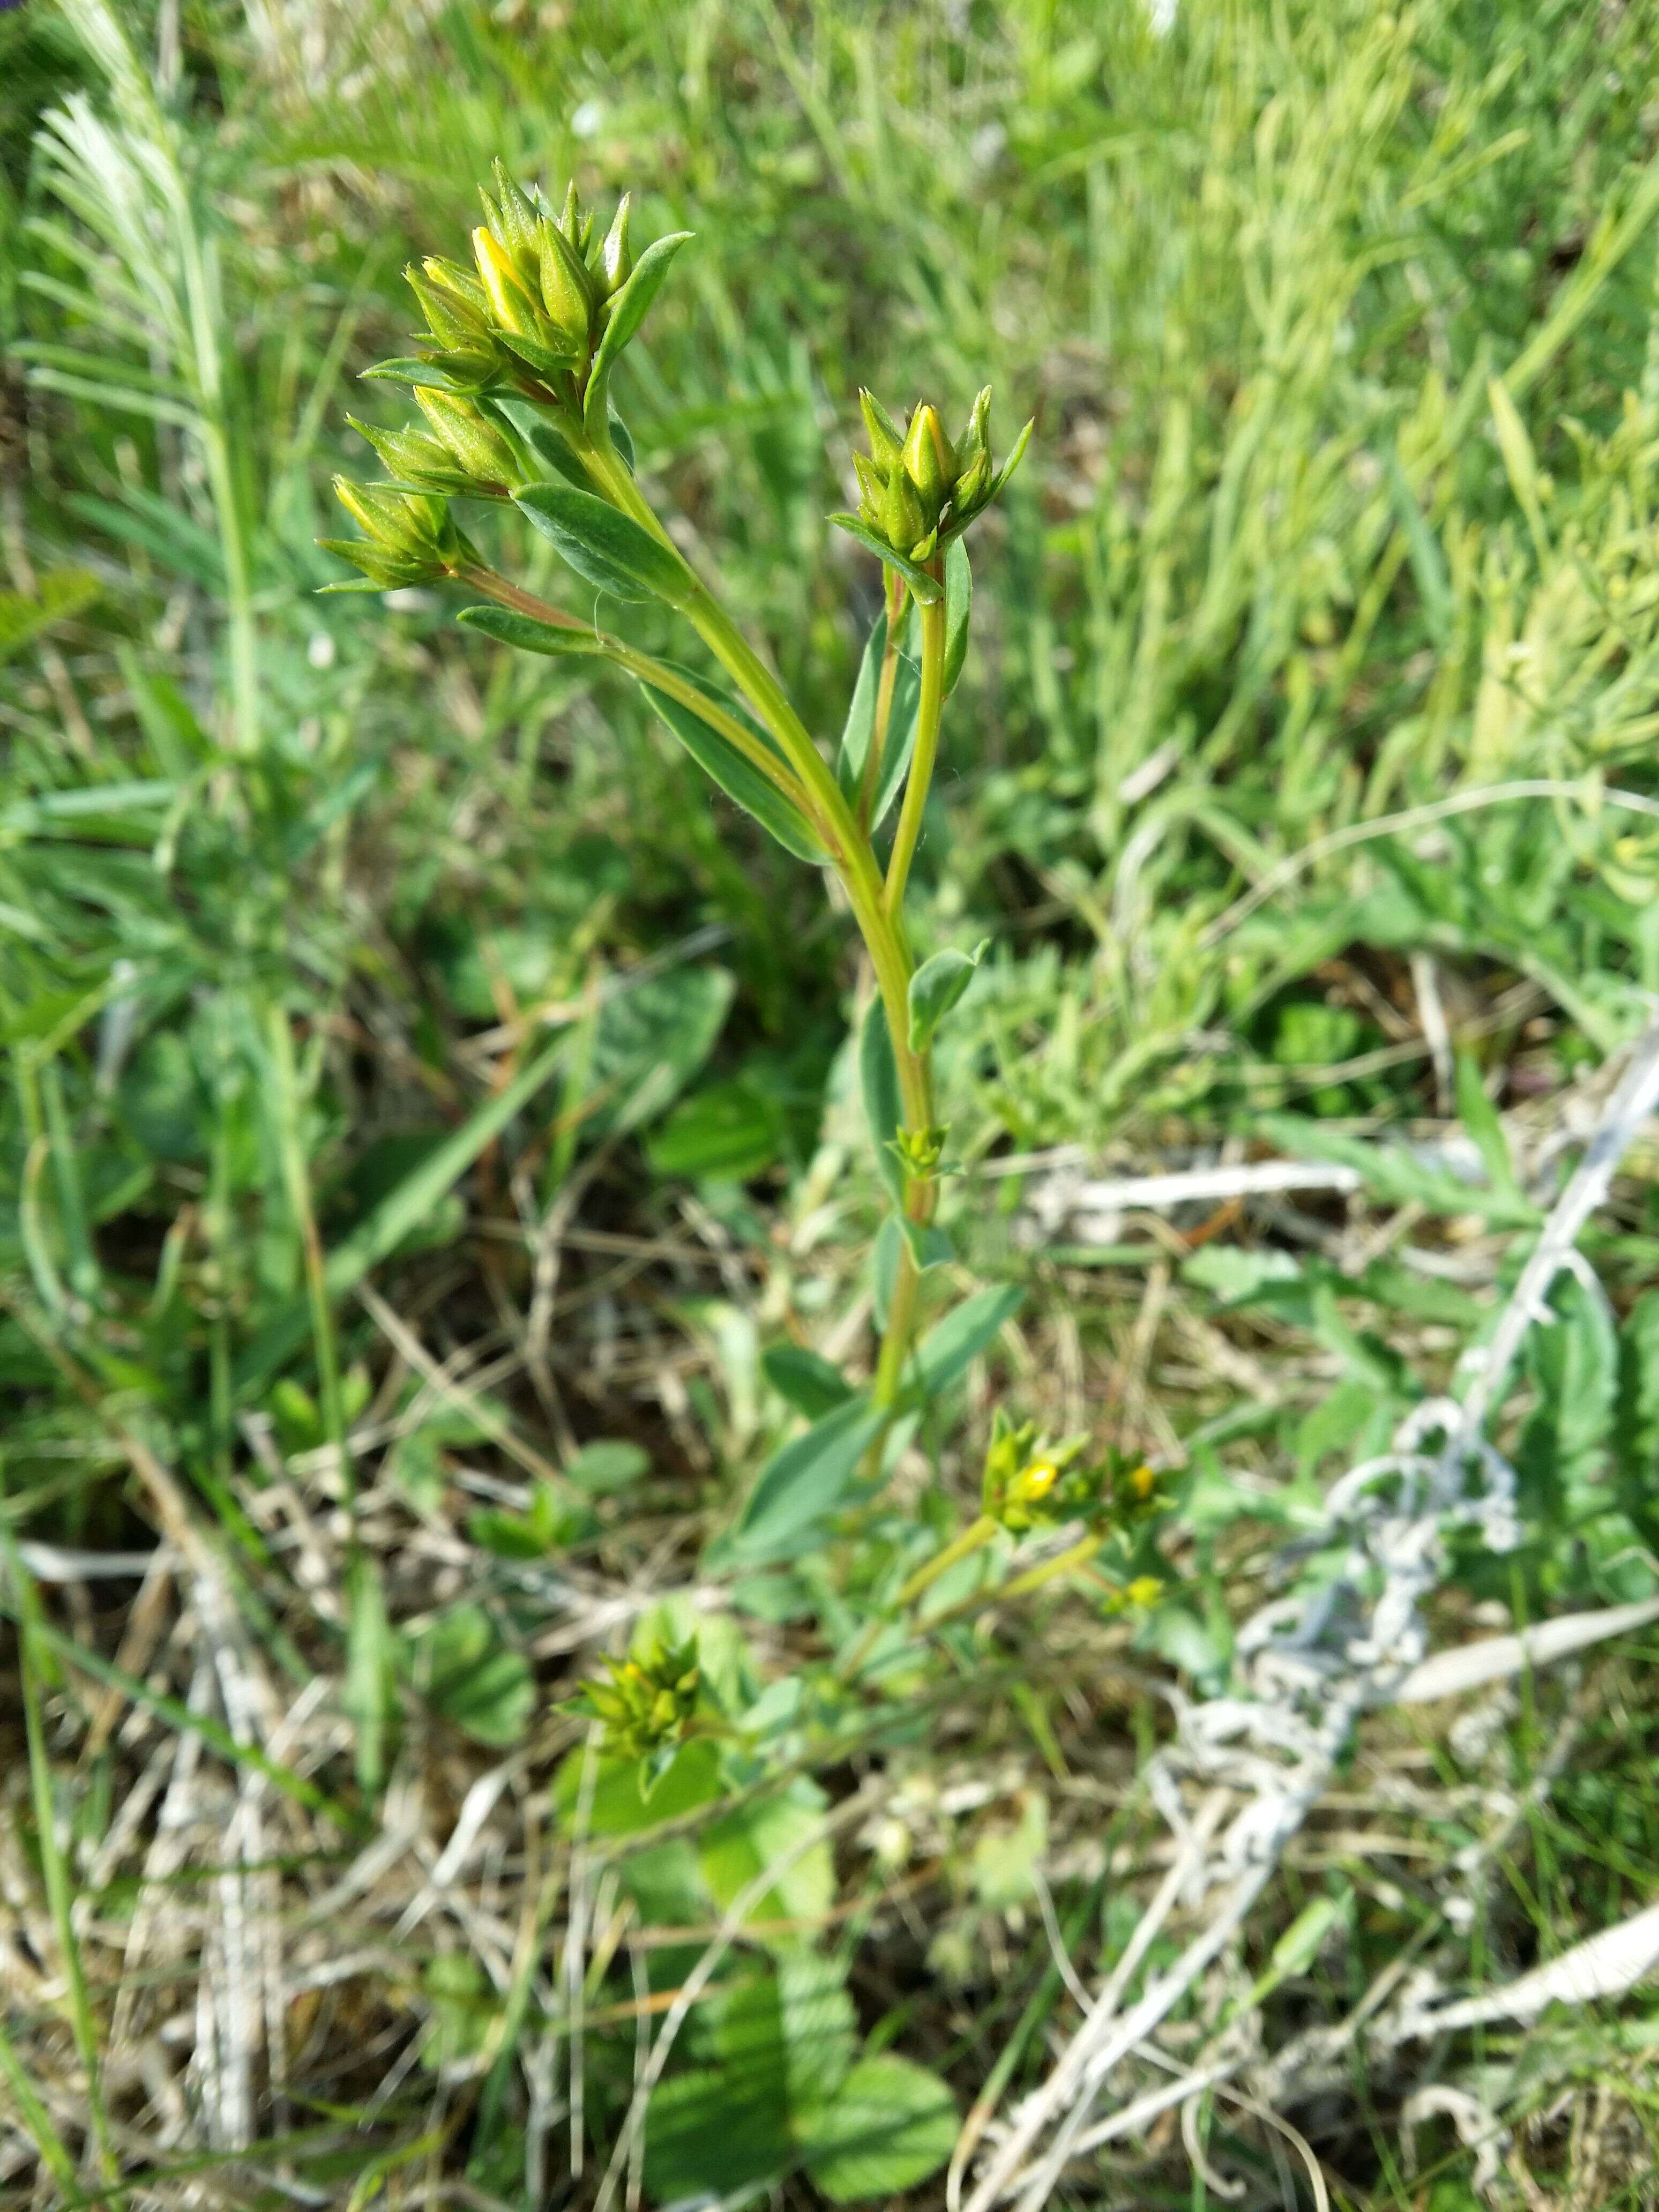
406 369
607 547
542 358
509 628
737 776
628 311
925 589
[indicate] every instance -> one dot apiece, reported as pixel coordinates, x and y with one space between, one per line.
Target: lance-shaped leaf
919 581
736 775
507 627
958 604
412 370
808 1479
952 1345
935 988
879 1076
901 738
628 311
610 548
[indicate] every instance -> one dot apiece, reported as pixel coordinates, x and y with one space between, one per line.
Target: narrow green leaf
952 1345
607 547
628 310
935 988
861 712
1394 1172
805 1379
808 1479
408 369
1480 1117
958 606
918 578
879 1075
507 627
738 777
369 1694
1428 563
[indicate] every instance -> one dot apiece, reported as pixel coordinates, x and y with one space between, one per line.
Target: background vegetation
428 1108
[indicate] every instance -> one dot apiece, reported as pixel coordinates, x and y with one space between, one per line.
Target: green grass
415 1077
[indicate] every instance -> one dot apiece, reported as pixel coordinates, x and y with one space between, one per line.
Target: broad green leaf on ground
607 1465
713 2129
616 1806
890 2124
730 1130
773 1832
460 1665
651 1040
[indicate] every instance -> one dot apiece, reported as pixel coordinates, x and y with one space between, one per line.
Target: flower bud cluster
409 537
464 452
646 1706
537 298
1031 1484
916 488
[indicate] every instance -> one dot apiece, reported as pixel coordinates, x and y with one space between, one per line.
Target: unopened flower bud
409 536
566 287
872 490
616 258
570 220
919 1151
482 448
514 221
510 303
452 320
929 460
902 521
970 486
886 446
412 458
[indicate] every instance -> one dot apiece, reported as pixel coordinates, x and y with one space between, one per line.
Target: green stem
928 710
968 1541
876 907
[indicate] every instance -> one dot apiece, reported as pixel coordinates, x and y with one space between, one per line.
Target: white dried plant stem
1310 1667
